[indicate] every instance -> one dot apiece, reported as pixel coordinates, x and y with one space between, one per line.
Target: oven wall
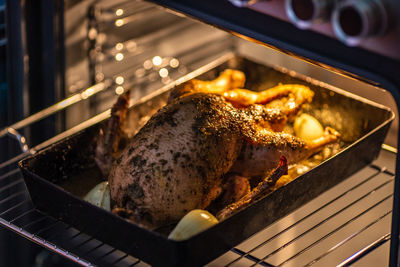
131 44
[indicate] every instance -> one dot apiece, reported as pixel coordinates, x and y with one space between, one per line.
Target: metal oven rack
347 224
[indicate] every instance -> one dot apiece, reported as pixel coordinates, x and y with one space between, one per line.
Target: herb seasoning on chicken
180 160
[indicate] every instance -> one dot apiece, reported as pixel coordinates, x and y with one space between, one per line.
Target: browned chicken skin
177 161
229 85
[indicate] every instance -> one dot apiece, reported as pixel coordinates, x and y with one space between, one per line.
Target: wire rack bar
46 228
250 257
4 188
348 238
22 215
19 215
379 171
330 217
8 174
337 229
361 253
57 107
44 243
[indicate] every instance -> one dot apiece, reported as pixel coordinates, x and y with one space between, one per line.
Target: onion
307 127
191 224
99 196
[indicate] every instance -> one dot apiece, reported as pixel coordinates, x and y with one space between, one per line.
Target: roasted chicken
192 149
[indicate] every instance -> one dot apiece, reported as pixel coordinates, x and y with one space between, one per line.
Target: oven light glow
88 92
101 38
157 60
147 64
99 76
119 56
63 103
119 80
166 80
174 63
140 72
92 34
119 46
119 90
119 22
72 88
163 72
119 12
131 46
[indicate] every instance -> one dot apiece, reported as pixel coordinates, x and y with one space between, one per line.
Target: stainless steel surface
304 13
386 44
355 21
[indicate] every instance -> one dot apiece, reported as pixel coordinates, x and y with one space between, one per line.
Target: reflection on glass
119 22
119 46
119 80
157 60
119 12
119 90
163 72
119 56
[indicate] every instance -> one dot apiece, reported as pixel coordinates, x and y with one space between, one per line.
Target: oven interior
114 45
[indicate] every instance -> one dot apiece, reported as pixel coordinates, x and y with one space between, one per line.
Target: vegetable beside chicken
202 148
307 127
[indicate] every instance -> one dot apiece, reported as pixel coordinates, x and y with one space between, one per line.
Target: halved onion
191 224
99 196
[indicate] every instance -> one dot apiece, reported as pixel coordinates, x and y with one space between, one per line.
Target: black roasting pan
58 176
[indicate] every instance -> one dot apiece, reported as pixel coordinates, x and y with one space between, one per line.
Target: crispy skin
229 84
228 79
177 160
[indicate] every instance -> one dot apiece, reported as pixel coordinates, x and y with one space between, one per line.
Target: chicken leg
259 191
